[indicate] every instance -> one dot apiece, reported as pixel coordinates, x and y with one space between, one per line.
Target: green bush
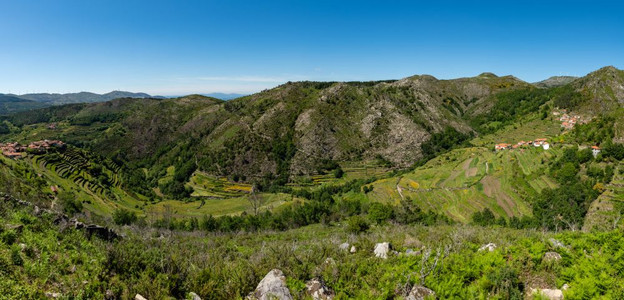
379 213
70 204
8 237
357 224
123 216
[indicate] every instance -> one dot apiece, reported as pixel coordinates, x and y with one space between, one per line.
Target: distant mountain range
82 97
10 103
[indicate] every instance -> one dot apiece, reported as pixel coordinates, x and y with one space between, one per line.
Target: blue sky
182 47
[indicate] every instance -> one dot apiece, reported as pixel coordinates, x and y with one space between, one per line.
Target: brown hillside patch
492 188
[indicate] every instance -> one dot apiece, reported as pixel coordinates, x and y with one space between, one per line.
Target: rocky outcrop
382 250
353 249
65 221
489 247
551 256
344 246
420 292
194 296
556 243
139 297
318 290
272 286
547 293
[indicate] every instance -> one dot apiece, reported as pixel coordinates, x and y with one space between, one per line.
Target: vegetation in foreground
39 258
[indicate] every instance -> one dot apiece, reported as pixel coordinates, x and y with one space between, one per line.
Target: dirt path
492 188
399 189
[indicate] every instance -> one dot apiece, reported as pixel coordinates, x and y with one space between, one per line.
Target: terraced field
352 170
605 212
208 186
467 180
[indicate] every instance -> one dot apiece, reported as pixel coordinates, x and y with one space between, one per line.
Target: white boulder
272 286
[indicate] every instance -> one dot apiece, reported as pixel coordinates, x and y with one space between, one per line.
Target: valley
436 168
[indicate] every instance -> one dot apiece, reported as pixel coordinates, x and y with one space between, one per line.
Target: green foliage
484 218
504 283
338 172
123 216
357 224
509 106
443 141
379 213
71 205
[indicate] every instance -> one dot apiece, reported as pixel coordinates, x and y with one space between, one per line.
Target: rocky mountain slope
293 128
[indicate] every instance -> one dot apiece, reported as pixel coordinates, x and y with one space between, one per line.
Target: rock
565 287
548 293
382 249
411 252
353 249
489 247
194 296
22 247
420 292
52 295
318 289
139 297
102 232
18 228
344 246
556 243
551 256
272 286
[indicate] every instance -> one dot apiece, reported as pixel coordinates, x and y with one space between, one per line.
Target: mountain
82 97
396 135
292 129
10 104
555 81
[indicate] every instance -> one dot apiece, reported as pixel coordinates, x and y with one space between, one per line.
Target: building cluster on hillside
536 143
595 151
569 120
15 150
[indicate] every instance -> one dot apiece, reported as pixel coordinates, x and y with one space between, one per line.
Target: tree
122 216
338 172
255 200
379 213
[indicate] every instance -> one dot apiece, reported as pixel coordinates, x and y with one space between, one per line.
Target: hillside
82 97
555 81
302 139
10 104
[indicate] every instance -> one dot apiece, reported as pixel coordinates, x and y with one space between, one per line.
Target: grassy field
467 180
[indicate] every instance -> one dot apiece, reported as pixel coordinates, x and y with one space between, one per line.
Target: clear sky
182 47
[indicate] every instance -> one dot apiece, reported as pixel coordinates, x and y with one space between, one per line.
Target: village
15 150
536 143
569 120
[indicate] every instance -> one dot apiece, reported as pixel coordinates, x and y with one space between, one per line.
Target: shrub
357 224
16 258
123 216
380 213
338 173
70 204
8 237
